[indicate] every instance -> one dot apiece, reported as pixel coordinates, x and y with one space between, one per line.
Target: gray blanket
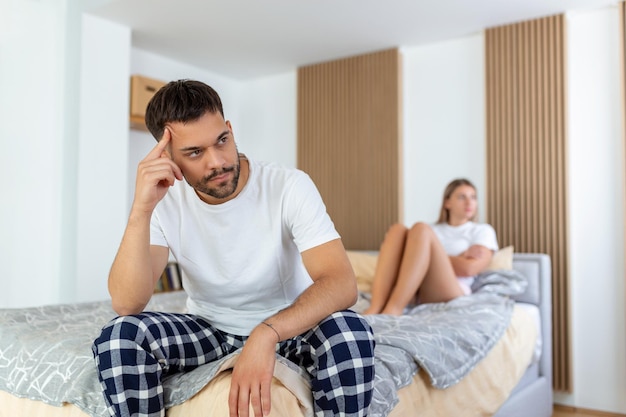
45 352
447 340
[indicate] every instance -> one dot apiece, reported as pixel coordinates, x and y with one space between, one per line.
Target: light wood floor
568 413
562 411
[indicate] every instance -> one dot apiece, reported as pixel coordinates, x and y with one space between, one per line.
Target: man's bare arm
138 265
334 289
135 271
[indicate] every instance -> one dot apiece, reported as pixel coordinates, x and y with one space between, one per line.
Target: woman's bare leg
387 267
425 266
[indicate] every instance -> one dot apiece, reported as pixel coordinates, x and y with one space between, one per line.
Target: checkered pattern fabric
133 353
339 355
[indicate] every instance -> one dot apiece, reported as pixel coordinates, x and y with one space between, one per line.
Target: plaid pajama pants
133 353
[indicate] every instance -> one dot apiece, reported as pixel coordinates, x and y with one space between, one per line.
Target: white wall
269 129
443 115
62 126
596 212
32 108
103 151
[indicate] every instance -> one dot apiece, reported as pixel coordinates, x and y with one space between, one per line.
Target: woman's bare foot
393 311
370 310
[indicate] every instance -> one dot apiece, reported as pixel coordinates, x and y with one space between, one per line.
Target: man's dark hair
180 101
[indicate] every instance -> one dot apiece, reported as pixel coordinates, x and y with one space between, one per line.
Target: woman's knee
397 229
420 230
395 235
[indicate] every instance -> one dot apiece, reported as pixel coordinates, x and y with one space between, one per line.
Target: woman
429 264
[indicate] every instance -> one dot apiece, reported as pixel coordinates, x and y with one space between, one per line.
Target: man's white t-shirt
457 239
241 259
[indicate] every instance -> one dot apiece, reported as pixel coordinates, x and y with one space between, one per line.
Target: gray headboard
537 268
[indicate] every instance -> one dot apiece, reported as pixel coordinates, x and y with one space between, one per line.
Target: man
265 272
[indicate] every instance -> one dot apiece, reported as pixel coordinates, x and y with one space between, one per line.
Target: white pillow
364 266
502 259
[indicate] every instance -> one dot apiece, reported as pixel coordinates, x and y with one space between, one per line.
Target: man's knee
345 376
348 329
118 333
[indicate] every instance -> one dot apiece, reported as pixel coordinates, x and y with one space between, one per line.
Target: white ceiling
253 38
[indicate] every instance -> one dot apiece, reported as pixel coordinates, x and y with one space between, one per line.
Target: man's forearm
131 276
323 298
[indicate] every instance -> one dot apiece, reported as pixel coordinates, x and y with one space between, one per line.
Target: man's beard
223 189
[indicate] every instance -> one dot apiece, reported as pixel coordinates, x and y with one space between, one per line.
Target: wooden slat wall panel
622 42
349 142
526 156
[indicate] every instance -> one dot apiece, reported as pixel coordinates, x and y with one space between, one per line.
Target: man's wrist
271 326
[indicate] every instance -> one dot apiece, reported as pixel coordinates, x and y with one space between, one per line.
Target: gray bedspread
447 340
45 352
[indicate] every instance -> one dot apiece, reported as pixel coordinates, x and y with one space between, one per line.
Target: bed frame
533 394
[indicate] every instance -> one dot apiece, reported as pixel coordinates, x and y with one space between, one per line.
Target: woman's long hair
444 214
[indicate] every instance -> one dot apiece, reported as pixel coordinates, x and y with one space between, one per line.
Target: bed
501 368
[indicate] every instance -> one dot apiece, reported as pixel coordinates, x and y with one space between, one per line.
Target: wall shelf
141 91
